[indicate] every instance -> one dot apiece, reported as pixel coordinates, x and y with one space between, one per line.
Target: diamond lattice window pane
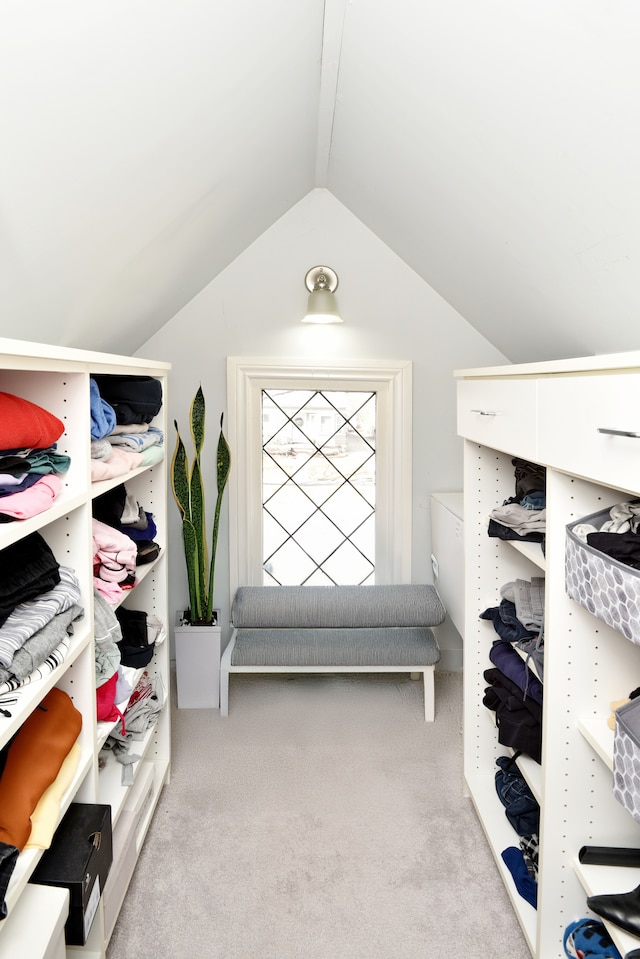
361 406
273 476
273 420
365 482
365 538
290 507
347 509
319 537
273 535
290 566
319 579
319 478
358 452
290 449
347 565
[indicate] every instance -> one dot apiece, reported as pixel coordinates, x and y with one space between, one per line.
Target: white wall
144 146
254 308
494 146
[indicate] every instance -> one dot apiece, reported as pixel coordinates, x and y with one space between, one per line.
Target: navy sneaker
589 939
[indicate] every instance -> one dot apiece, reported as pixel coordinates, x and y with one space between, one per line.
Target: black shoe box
79 859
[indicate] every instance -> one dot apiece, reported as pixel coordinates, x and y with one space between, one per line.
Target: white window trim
392 382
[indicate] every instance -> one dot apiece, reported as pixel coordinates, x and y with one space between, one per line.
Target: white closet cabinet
551 413
58 380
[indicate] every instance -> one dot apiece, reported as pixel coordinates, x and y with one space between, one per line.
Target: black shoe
622 909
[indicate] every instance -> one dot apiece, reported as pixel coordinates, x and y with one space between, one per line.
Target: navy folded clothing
507 660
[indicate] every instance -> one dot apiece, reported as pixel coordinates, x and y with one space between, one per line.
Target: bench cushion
336 606
385 646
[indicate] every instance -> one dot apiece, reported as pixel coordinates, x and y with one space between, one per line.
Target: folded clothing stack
29 461
122 407
129 532
522 516
38 606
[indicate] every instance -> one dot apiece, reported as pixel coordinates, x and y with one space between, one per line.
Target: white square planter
197 651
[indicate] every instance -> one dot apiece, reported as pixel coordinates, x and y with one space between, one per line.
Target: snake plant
187 484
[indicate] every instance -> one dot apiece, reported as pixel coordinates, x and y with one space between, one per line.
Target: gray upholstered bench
334 629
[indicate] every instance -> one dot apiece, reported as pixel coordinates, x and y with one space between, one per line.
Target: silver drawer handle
487 412
601 429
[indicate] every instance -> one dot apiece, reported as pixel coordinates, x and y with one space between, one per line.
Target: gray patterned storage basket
607 588
626 757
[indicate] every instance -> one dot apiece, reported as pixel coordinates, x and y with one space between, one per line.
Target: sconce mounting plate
321 278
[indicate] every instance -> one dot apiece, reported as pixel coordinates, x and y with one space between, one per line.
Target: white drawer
499 413
573 410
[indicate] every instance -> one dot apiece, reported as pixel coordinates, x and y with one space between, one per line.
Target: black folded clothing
135 649
109 507
135 399
518 717
625 547
499 531
28 568
147 551
530 477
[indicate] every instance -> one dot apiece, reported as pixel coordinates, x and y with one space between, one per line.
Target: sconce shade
321 281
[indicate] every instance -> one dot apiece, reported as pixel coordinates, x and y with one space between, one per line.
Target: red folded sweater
24 424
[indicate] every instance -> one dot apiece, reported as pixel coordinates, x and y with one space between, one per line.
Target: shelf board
110 788
501 835
21 935
533 552
600 880
141 574
103 486
532 772
30 695
65 502
599 736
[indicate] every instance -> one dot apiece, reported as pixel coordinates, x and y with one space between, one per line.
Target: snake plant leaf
193 573
223 464
223 460
197 419
197 516
180 476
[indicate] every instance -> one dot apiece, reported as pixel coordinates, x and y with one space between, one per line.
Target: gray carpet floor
324 819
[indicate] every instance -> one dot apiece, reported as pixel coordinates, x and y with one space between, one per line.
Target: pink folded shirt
33 500
120 462
115 552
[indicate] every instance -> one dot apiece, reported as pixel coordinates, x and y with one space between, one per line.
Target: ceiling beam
332 32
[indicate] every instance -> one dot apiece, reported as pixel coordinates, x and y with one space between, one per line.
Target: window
320 486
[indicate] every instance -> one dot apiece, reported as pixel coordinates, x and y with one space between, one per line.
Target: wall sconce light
322 282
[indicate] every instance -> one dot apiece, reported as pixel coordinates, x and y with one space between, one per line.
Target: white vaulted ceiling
493 145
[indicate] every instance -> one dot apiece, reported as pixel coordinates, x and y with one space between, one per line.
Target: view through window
318 486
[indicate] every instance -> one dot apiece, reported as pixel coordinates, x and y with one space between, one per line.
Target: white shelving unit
551 413
58 380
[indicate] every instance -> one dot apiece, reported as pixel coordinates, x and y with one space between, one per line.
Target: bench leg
429 695
224 692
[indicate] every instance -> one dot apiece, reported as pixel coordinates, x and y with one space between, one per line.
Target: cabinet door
590 426
500 414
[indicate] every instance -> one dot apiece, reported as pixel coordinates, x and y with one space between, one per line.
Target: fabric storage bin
626 757
606 587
